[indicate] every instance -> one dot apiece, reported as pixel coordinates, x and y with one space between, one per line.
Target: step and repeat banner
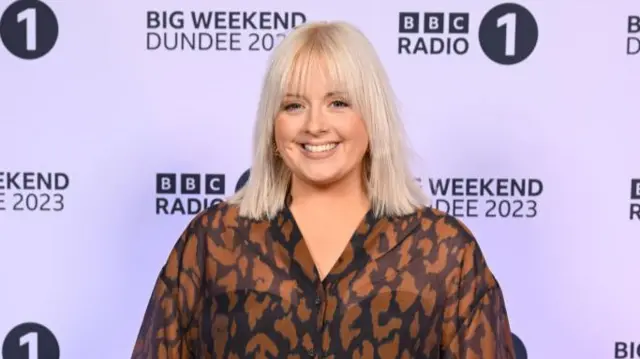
120 120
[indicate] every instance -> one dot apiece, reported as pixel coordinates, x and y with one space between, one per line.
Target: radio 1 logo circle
30 340
508 34
518 346
244 178
29 29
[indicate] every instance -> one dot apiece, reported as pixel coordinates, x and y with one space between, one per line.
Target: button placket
319 317
323 323
317 300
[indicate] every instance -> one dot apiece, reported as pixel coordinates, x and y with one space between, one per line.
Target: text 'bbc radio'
188 193
634 207
219 30
33 191
442 33
633 37
485 197
507 33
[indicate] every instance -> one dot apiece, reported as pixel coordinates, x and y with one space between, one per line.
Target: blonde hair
351 61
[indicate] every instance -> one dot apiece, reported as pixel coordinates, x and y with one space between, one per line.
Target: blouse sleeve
475 320
169 327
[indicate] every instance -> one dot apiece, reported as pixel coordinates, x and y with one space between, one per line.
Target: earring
275 150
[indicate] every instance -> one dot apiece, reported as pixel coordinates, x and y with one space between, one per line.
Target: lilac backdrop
542 96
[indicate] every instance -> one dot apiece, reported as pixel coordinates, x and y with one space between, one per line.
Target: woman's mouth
325 147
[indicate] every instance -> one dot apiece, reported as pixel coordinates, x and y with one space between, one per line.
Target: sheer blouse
415 286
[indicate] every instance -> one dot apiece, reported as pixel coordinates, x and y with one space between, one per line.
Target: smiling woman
329 250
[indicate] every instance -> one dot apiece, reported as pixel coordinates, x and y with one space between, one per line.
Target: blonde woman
330 249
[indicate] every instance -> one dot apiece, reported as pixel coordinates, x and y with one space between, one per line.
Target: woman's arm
475 319
170 325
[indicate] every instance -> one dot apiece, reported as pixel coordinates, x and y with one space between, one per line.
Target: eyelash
295 106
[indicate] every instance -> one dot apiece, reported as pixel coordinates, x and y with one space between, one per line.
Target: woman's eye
339 104
292 107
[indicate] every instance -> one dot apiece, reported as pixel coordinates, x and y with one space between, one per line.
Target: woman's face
318 134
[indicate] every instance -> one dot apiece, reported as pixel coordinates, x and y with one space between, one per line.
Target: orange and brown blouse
415 286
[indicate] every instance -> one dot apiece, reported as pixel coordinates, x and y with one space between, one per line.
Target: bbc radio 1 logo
485 197
28 29
30 340
507 34
218 30
634 206
33 191
633 35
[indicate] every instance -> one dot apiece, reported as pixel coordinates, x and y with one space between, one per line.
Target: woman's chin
321 179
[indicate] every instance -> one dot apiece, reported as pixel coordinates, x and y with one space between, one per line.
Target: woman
329 250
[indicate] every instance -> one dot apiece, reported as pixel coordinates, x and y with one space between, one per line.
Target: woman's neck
346 192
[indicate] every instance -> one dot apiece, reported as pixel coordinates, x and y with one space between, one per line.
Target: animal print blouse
415 286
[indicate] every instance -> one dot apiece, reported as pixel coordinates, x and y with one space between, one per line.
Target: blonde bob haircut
351 63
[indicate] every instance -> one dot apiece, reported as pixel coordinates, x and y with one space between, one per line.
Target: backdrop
120 120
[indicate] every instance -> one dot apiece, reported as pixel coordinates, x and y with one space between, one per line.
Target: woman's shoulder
208 230
220 215
449 239
435 224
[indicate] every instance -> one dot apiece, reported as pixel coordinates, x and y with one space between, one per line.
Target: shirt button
311 353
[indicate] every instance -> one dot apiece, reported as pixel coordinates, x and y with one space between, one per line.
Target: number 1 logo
30 341
508 34
518 345
28 29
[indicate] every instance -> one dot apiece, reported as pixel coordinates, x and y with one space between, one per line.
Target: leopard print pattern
415 286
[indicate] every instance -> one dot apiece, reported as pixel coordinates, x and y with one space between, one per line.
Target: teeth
320 148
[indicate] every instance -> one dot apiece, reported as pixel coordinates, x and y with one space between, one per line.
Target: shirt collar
373 238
